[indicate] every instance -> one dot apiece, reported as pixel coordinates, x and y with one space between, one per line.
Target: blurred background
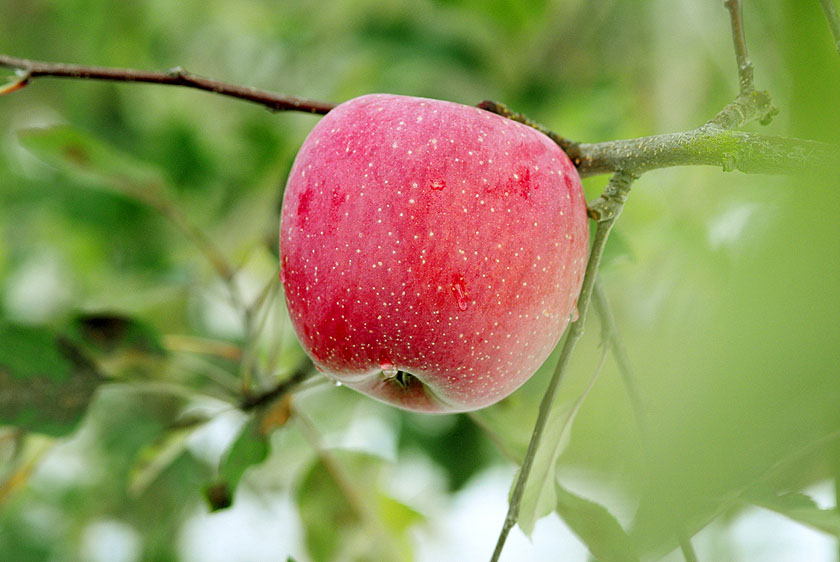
121 352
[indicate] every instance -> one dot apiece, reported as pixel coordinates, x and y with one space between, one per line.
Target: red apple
432 253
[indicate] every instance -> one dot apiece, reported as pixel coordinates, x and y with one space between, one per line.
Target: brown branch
302 373
31 69
745 67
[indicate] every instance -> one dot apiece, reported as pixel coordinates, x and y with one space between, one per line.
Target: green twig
708 145
745 67
833 21
300 374
605 211
613 340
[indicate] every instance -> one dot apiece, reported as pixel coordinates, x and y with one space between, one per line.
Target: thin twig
833 21
745 67
177 76
613 340
606 210
255 316
300 374
357 501
712 144
204 346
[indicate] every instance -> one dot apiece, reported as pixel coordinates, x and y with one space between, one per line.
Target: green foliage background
725 286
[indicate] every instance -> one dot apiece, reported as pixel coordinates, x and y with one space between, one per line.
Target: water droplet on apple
438 184
460 295
389 370
337 383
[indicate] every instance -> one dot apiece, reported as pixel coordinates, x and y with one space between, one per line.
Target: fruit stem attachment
570 147
403 379
605 211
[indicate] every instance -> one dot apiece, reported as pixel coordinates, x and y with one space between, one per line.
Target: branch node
177 72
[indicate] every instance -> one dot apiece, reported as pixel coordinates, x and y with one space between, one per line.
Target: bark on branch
29 69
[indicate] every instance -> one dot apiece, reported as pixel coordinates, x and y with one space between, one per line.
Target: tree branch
31 69
745 67
606 211
300 374
709 145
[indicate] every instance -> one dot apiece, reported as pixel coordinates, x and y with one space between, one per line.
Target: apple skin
431 253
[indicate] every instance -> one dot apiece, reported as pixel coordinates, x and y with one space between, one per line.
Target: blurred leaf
538 499
595 527
250 448
119 344
618 248
800 508
397 516
88 159
157 457
456 443
275 415
347 516
46 381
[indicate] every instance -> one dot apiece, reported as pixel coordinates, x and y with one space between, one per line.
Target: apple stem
570 147
605 211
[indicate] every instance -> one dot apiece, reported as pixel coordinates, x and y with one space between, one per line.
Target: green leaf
250 448
596 527
158 456
347 516
89 160
46 381
538 497
800 508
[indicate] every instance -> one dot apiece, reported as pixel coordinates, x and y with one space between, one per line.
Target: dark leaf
119 344
46 381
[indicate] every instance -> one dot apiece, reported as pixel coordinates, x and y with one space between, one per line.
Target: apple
431 253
